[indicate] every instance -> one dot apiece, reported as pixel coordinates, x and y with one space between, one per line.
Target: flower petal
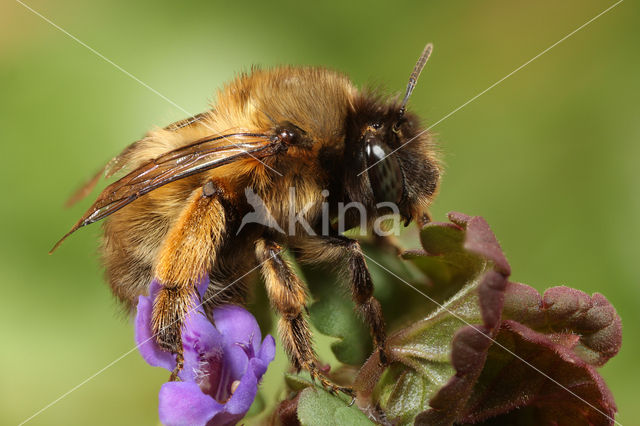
236 360
244 395
203 285
246 391
200 341
258 367
182 403
149 349
266 354
267 351
237 325
241 337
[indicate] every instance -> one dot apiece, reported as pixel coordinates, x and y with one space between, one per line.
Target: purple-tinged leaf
546 377
495 351
568 313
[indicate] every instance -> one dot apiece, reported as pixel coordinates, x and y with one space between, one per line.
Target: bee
175 216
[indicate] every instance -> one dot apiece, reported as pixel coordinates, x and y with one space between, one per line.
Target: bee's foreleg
288 296
184 259
338 248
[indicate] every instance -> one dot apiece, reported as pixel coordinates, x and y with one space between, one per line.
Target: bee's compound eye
384 172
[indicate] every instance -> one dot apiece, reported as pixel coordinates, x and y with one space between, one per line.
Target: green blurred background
549 156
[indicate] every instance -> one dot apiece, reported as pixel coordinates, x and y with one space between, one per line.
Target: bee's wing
118 163
202 155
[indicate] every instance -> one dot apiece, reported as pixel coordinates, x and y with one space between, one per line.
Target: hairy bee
177 214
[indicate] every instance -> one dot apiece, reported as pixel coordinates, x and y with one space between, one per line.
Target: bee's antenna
413 78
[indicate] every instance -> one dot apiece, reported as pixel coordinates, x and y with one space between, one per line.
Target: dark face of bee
387 158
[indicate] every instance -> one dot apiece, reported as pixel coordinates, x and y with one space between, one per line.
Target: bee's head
389 158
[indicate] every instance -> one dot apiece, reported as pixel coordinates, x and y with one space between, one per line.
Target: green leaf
406 392
445 261
398 301
297 382
422 353
316 407
333 314
460 259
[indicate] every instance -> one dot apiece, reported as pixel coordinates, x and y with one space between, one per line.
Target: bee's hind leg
184 258
287 295
170 307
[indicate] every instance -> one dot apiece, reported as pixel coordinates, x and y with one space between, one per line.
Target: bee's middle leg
288 296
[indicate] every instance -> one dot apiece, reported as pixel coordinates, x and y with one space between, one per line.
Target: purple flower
223 364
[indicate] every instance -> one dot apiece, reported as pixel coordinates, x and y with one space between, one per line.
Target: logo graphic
260 213
383 225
